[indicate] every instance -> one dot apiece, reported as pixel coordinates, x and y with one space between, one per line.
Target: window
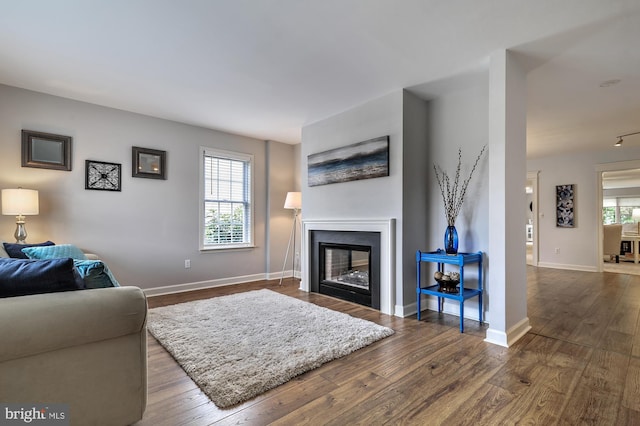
620 210
226 211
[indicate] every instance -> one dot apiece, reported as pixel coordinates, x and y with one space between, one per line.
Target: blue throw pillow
20 277
14 250
95 274
54 252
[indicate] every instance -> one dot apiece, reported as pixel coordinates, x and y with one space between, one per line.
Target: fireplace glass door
344 272
348 266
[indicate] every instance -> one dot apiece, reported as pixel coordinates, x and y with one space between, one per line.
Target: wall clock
103 176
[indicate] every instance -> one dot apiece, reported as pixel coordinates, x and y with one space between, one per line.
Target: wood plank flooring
579 365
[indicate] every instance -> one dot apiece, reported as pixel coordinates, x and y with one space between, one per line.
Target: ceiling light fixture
620 140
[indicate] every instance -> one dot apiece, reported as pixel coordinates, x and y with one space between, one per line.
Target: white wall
146 231
578 247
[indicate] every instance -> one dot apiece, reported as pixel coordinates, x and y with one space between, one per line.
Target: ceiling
267 68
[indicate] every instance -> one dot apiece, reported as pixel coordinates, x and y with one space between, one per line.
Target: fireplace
346 264
385 228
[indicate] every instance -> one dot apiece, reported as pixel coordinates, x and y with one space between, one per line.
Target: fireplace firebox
346 264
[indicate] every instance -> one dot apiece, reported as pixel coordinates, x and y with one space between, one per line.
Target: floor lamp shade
293 200
20 203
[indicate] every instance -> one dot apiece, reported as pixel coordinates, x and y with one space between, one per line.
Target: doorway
618 197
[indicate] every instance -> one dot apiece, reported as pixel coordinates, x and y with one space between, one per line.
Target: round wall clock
103 176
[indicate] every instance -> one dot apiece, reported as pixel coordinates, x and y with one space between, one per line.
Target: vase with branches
453 193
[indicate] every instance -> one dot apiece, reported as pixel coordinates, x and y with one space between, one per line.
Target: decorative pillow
54 252
95 274
20 277
14 250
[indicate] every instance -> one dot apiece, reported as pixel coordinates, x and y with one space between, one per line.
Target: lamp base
21 232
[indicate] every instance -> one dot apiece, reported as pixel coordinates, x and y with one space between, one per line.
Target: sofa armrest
40 323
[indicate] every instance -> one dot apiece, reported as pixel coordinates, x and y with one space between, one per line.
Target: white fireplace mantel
386 228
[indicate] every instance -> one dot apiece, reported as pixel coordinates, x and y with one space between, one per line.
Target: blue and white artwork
565 208
362 160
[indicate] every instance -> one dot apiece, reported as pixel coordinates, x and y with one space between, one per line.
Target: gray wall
459 120
578 246
379 198
420 134
416 175
146 231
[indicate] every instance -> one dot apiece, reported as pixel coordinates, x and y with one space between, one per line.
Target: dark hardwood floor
579 365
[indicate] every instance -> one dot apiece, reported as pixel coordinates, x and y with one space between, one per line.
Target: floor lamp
292 202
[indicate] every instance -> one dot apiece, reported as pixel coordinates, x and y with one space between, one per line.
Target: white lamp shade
20 202
293 200
635 214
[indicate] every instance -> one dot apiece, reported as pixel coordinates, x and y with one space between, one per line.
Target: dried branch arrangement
453 193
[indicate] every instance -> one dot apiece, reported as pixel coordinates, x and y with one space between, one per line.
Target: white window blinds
226 215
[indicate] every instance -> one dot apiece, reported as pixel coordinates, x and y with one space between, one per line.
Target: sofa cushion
47 322
95 274
14 250
54 252
20 277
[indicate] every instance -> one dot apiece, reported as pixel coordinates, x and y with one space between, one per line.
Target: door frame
533 176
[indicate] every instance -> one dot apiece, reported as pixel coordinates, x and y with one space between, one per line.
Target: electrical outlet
187 263
557 250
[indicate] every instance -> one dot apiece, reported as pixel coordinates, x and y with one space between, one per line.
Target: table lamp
20 203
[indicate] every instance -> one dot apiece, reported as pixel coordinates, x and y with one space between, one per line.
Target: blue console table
461 259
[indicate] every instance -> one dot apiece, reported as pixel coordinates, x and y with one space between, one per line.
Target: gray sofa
84 348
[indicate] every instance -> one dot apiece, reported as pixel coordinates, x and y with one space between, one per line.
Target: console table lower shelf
463 293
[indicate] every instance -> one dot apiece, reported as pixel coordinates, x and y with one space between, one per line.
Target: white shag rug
239 346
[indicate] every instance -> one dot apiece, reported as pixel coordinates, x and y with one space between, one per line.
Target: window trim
231 155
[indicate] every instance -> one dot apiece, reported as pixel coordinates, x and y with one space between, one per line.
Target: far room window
226 211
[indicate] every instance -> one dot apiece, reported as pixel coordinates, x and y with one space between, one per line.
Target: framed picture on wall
362 160
46 150
103 176
565 206
149 163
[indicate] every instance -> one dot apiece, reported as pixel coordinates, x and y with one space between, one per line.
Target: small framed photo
46 150
149 163
103 176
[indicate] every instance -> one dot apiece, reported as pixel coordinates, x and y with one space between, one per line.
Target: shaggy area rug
239 346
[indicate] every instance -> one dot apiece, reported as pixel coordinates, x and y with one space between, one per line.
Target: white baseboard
179 288
287 274
508 338
404 311
583 268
